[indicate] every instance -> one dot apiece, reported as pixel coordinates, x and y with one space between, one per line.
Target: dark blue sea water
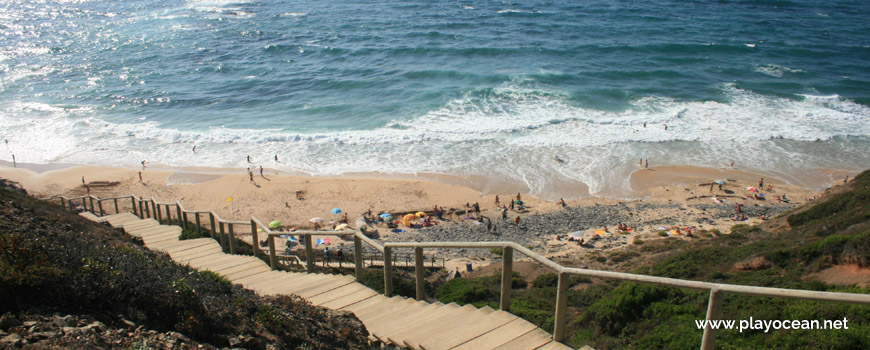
491 88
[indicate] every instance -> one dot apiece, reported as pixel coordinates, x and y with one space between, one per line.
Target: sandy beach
671 197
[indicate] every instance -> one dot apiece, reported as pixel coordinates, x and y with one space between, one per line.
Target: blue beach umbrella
385 215
336 210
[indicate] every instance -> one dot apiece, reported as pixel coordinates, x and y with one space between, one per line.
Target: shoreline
673 197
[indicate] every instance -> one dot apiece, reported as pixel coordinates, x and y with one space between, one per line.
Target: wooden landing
397 321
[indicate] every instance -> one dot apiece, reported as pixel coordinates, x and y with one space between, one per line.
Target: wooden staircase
395 321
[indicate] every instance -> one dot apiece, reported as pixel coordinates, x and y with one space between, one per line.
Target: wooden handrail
716 289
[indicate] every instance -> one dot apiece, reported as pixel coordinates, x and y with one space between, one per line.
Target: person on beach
88 188
340 254
711 188
641 162
249 159
476 207
496 197
761 183
261 171
251 175
344 219
14 164
644 125
504 213
512 205
720 187
83 180
844 180
666 127
326 254
562 202
518 196
276 157
140 177
732 165
143 165
194 148
646 166
287 204
517 220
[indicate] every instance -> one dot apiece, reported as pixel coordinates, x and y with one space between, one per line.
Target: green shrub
546 280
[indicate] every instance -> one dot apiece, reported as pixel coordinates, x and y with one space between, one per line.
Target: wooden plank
290 283
355 307
336 293
349 299
210 262
537 337
229 267
205 244
178 245
373 311
159 234
455 337
330 284
458 319
499 336
206 250
140 224
411 333
261 278
553 345
247 272
383 323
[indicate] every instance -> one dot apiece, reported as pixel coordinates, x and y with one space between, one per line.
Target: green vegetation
615 315
54 261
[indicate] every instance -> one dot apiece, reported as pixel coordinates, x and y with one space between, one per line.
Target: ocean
545 94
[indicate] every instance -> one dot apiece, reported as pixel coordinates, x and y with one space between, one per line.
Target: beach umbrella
335 210
386 215
316 220
720 182
750 188
406 220
341 227
420 214
274 224
517 201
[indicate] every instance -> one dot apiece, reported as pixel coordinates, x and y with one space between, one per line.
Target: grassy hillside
615 315
52 261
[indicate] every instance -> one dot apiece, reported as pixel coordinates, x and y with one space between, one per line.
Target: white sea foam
511 133
775 70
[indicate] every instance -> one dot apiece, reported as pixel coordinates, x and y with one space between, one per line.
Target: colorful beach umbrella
386 215
720 182
420 214
335 210
316 220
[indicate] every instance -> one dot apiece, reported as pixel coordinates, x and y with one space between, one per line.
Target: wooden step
459 318
499 336
531 340
553 345
411 332
336 293
349 299
458 336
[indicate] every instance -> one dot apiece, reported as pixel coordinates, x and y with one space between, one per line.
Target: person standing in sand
518 196
143 165
249 159
194 148
496 199
14 163
140 177
647 164
261 171
761 184
83 180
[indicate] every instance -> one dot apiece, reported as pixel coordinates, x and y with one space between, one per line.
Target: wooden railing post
357 258
418 269
388 272
184 222
256 238
159 212
100 205
178 211
561 308
198 224
309 254
153 211
62 203
507 276
231 238
211 223
133 204
714 311
273 258
117 211
223 238
91 199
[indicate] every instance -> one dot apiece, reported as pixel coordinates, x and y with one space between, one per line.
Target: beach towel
327 241
319 241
